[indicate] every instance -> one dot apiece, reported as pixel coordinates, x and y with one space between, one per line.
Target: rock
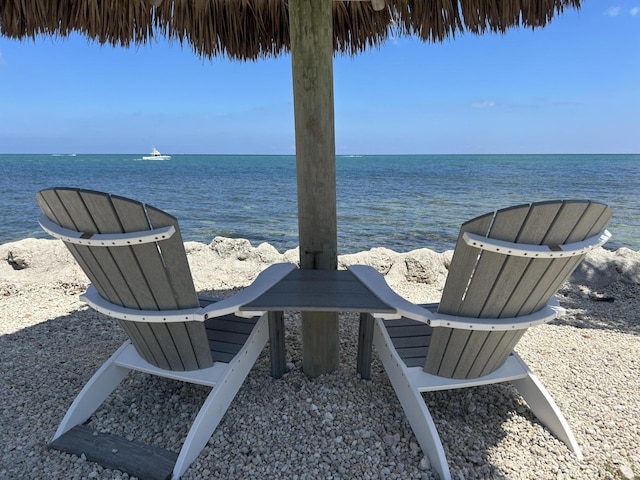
292 256
424 266
238 248
397 273
418 266
382 259
627 263
626 471
213 265
195 247
39 261
603 267
16 261
267 253
392 440
228 261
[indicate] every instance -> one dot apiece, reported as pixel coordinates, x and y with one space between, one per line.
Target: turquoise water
402 202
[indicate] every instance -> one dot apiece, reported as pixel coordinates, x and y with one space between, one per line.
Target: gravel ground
336 426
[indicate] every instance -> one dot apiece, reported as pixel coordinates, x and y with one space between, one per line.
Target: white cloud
485 104
615 11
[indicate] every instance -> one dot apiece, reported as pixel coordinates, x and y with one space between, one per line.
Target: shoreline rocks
44 261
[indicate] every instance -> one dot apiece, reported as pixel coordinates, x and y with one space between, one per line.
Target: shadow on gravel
612 307
336 425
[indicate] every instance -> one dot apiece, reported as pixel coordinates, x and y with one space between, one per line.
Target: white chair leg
546 410
220 398
413 405
97 389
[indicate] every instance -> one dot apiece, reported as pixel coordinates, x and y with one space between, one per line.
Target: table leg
276 344
365 341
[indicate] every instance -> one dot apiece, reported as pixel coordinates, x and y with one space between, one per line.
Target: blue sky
572 87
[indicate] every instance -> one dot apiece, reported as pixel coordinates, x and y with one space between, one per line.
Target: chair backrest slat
593 220
147 276
490 265
56 210
462 266
120 264
486 284
178 272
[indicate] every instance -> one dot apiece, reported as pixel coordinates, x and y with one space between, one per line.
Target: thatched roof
249 29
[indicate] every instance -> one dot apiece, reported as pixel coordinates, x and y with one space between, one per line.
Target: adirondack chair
506 268
134 256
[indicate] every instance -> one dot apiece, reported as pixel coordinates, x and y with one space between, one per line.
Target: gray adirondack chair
506 268
134 256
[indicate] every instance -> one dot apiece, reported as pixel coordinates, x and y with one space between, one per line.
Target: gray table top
319 290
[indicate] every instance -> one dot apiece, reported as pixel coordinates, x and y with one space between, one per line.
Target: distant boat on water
156 155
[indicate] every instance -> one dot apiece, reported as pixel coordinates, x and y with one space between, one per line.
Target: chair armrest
376 283
263 282
228 306
551 311
536 251
105 239
98 303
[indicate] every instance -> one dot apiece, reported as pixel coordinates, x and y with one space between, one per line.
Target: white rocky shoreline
335 426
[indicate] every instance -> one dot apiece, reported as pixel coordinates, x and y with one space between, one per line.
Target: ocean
402 202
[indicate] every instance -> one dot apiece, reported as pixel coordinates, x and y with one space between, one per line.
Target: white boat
156 155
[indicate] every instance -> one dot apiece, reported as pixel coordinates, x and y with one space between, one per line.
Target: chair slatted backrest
147 276
485 284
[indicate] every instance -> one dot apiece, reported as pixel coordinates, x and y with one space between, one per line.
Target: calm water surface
402 202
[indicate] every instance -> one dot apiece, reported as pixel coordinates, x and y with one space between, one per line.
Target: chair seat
410 339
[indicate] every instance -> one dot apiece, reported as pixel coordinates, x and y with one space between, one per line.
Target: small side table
319 291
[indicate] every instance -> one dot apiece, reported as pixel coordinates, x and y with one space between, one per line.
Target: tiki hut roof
251 29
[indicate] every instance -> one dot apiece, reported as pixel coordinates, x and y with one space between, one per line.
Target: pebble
336 425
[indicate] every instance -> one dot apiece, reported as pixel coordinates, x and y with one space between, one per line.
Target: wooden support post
311 30
365 341
276 344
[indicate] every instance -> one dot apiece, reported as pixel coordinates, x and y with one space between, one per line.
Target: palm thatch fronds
250 29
